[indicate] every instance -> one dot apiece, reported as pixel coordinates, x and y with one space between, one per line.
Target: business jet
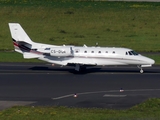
78 56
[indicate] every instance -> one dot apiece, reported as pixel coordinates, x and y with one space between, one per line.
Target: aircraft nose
150 61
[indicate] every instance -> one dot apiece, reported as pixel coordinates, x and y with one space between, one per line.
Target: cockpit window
132 53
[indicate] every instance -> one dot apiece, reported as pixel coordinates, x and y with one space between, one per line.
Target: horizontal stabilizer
27 55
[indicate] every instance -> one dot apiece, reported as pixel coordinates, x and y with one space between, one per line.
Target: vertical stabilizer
22 42
18 34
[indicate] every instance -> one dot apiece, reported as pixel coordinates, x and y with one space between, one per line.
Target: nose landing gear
140 67
141 70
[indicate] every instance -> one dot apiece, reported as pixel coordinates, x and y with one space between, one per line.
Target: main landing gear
140 67
80 68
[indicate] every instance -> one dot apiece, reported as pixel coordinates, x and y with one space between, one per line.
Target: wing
80 64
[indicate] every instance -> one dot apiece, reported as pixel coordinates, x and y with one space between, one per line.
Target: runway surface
116 87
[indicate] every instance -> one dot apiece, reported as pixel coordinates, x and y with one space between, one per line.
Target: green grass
148 110
122 24
133 25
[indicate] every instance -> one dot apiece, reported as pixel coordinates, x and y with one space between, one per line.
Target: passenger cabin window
106 51
92 52
113 52
77 50
85 51
99 52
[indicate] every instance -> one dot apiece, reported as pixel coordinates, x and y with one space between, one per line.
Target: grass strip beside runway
133 25
148 110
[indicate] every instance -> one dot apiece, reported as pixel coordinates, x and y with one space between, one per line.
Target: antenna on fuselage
84 45
96 44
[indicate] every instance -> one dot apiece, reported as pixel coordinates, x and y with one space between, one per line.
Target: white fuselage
96 56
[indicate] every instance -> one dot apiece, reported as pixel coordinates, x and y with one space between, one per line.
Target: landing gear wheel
141 71
82 68
140 67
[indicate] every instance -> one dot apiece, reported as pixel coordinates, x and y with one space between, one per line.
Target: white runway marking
106 95
65 96
109 91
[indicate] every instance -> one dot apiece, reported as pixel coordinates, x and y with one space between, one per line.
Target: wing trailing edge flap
28 55
83 64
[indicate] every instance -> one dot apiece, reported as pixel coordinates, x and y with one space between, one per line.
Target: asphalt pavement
115 87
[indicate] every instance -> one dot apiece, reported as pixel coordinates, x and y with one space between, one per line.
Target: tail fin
22 42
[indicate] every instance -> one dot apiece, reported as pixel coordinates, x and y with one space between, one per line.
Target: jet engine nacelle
61 51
